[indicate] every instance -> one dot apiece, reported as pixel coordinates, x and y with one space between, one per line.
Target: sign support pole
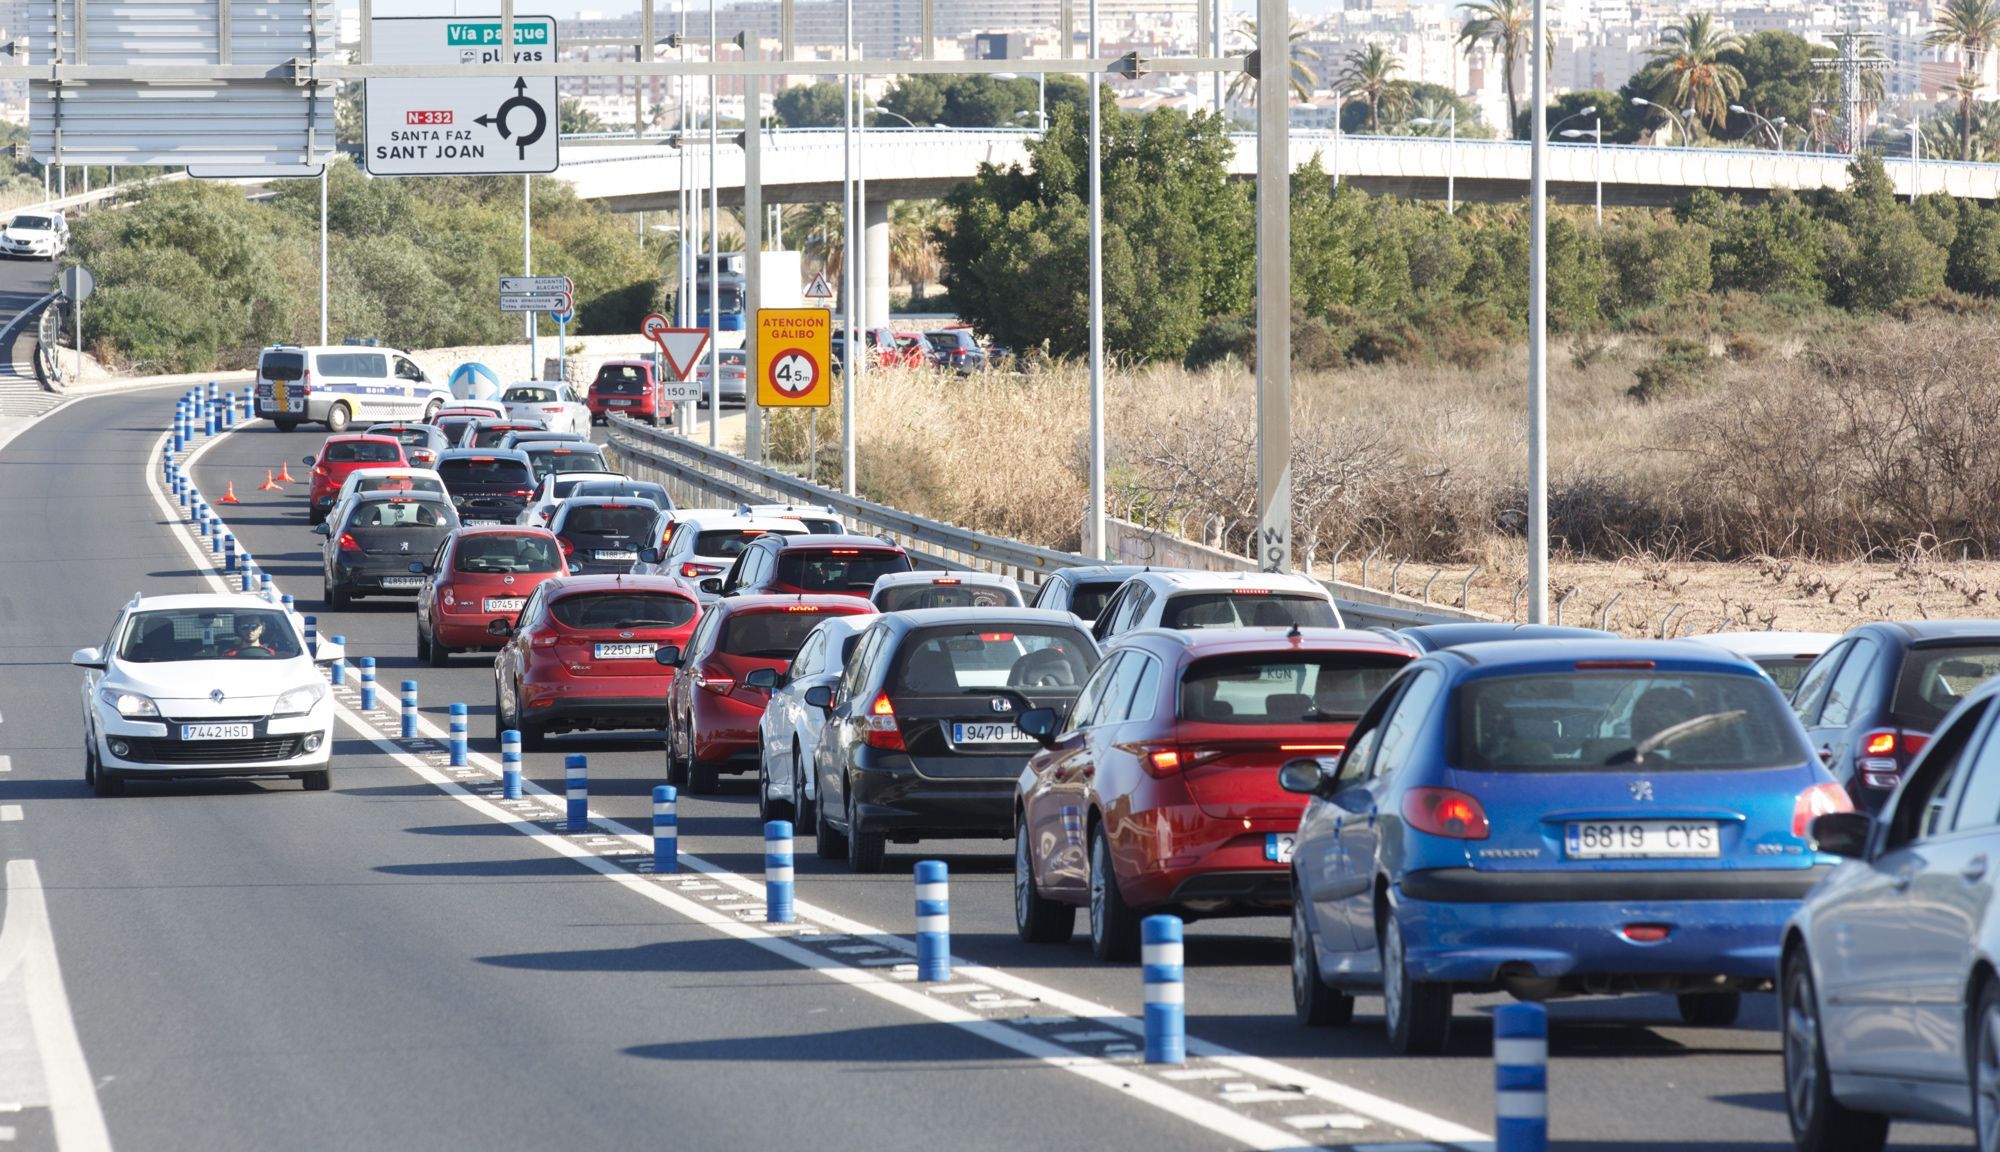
714 258
1274 288
753 238
79 339
528 263
1538 335
1093 542
323 178
848 279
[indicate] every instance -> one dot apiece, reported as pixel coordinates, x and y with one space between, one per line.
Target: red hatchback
803 564
581 656
1160 792
712 714
480 575
628 387
343 454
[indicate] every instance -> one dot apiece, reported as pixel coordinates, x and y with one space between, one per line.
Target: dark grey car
368 553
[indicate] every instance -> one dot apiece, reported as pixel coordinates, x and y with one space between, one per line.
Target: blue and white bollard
229 410
312 630
459 739
1520 1078
264 586
339 666
778 872
249 574
576 777
409 709
229 552
1160 953
207 421
368 683
933 921
666 829
286 602
510 764
215 536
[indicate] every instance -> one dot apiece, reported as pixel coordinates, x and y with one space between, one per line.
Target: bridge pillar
875 265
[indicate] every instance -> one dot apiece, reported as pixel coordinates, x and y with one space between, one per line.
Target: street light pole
714 255
1451 155
1596 160
325 165
1916 172
847 278
1538 332
1094 542
1274 288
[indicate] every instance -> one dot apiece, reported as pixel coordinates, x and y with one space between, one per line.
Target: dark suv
1871 702
370 550
956 349
488 485
788 565
605 534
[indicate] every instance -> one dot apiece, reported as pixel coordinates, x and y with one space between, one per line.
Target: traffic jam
1428 814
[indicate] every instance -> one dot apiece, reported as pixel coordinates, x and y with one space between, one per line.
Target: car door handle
1974 869
1901 880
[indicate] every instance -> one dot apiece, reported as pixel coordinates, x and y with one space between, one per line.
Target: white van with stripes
340 385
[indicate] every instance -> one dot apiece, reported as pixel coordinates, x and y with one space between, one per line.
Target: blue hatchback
1548 819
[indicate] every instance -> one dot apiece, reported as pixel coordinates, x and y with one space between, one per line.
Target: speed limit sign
794 350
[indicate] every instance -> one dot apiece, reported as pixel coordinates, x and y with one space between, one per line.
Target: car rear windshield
1285 687
904 597
491 437
397 484
620 380
565 460
1247 610
724 541
838 569
623 610
529 396
361 452
485 470
494 554
1785 671
400 514
1623 718
454 427
769 634
637 490
1934 680
1089 599
607 520
958 658
282 366
208 634
943 341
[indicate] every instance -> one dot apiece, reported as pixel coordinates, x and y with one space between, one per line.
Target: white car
36 235
789 731
549 402
385 480
1784 656
341 384
205 685
818 519
1182 600
902 591
552 490
702 545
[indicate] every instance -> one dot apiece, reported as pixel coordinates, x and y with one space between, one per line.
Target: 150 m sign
794 353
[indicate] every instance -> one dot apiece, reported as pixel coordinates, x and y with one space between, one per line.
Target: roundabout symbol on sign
794 373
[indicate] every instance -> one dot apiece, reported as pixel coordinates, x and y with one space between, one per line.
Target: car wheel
1820 1122
1037 919
431 413
802 805
89 758
865 849
1710 1009
107 783
423 643
534 737
768 808
1114 926
1983 1055
286 425
337 597
829 844
320 781
1313 1002
438 655
1416 1013
338 418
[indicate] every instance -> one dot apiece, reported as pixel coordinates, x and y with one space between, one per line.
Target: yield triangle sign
819 289
682 348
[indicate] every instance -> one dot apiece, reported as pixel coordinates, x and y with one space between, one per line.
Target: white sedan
902 591
790 728
550 403
205 685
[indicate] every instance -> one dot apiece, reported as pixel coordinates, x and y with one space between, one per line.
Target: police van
338 385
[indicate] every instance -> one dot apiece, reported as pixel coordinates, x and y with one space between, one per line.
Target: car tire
431 413
89 759
1983 1064
1416 1013
438 655
337 598
286 425
534 737
320 781
501 721
1819 1121
769 809
1314 1002
704 778
865 849
108 783
338 418
423 644
1114 926
803 809
1709 1009
1037 919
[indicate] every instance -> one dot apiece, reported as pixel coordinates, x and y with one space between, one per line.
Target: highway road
408 961
22 282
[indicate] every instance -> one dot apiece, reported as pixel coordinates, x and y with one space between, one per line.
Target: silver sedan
790 729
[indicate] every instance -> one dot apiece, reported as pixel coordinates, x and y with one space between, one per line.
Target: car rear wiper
1695 726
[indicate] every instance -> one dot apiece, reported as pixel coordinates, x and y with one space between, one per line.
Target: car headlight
298 701
128 703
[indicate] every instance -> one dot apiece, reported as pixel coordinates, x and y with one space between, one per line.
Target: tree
1371 74
914 229
968 101
809 106
575 118
1566 110
1506 27
1778 79
1971 27
1243 88
1693 71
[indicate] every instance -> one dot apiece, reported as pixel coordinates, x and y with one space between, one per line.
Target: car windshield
529 396
1623 718
1785 671
32 223
208 634
979 657
399 514
397 484
361 452
490 437
620 380
770 633
485 470
547 463
406 434
625 609
1934 680
634 489
509 554
609 519
838 569
454 427
1089 598
1285 687
903 597
724 541
1247 609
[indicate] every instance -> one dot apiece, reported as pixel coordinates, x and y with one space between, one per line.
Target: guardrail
49 313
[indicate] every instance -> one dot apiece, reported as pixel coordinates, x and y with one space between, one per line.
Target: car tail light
564 543
522 493
1165 758
1646 933
319 470
1817 800
1445 812
305 383
879 725
692 570
1885 752
720 685
449 600
348 543
545 640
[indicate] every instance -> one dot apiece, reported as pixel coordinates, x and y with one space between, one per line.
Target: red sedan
581 656
343 454
1160 793
478 576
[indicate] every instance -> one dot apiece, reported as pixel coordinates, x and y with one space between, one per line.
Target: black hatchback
488 485
369 550
921 739
1871 702
603 535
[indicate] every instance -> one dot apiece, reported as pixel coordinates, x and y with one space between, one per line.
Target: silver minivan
337 385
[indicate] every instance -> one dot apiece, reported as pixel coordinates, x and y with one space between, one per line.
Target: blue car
1555 818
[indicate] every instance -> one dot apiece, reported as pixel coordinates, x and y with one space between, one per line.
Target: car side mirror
1842 834
712 585
1039 723
499 628
321 529
820 696
1303 776
668 656
88 658
765 678
308 460
418 568
649 555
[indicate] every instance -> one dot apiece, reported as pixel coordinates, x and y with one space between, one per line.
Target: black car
956 350
920 738
454 427
368 552
1086 589
602 535
1871 702
547 457
654 494
421 442
1431 637
488 485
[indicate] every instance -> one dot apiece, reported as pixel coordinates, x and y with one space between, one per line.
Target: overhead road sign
255 171
536 302
794 350
479 125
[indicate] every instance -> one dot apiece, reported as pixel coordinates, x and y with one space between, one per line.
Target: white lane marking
6 763
9 812
28 944
1340 1120
1199 1074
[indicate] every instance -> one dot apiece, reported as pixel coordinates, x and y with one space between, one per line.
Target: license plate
478 523
1642 839
1279 848
510 604
218 731
625 651
616 554
402 581
988 733
619 403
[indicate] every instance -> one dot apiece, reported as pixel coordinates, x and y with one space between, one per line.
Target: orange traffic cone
285 474
229 495
269 484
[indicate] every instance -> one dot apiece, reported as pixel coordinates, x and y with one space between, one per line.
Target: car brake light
1330 749
1645 933
939 580
305 383
1884 754
1445 812
692 570
843 552
348 543
1251 591
563 542
801 607
524 494
879 725
1818 800
995 637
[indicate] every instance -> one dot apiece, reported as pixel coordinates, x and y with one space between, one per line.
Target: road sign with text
794 350
485 125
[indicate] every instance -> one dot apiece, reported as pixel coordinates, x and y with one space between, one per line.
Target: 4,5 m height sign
486 125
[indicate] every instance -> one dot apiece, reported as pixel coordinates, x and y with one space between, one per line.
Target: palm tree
1371 75
1507 27
823 240
913 250
1972 27
1692 71
1243 88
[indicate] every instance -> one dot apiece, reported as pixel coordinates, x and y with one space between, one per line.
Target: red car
628 387
480 575
712 714
808 562
582 655
1160 793
343 454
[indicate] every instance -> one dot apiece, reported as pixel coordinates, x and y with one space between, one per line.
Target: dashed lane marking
9 812
28 946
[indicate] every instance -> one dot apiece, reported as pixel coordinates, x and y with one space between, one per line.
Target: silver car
1891 970
788 732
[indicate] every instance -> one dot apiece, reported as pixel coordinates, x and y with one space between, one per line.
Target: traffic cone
229 495
285 474
269 484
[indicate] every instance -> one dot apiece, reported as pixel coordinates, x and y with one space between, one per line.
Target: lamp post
897 115
1775 126
1538 324
1576 115
1451 157
1680 122
1916 172
1596 160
